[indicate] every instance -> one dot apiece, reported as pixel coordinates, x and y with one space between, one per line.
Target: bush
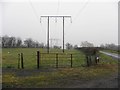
89 50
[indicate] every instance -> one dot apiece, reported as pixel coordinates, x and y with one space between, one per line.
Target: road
117 56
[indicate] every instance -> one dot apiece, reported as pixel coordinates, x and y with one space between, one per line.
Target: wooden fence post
22 64
38 59
18 61
95 60
90 59
71 60
87 61
56 60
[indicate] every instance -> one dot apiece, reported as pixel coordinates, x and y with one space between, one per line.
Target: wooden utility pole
48 37
38 59
63 35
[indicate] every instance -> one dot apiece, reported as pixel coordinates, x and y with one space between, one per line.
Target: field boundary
42 57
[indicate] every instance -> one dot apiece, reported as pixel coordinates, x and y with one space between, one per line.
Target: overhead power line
81 9
34 10
35 13
78 14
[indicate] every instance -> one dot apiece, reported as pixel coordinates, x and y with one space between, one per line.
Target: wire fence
47 60
56 59
42 60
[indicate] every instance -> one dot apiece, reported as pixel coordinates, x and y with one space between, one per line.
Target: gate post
57 60
90 60
38 59
71 60
22 64
87 60
18 61
95 59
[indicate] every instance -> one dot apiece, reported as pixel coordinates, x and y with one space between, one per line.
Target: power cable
80 11
35 12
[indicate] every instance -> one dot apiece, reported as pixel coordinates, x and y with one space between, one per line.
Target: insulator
71 20
40 19
55 20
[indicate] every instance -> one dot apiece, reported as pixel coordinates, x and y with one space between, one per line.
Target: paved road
117 56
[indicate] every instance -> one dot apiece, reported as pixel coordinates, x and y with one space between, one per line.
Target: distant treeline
13 42
110 47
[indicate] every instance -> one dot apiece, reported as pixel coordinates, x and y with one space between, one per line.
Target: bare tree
75 46
69 46
41 45
36 44
28 42
18 42
111 46
13 41
10 42
4 41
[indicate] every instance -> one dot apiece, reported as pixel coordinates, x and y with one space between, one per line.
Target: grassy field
48 75
10 58
112 51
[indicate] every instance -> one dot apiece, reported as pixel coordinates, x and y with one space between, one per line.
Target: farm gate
47 60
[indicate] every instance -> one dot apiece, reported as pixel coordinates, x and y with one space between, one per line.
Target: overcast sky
95 21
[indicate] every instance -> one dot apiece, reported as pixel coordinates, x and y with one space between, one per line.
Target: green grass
10 58
61 77
112 51
50 76
107 59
